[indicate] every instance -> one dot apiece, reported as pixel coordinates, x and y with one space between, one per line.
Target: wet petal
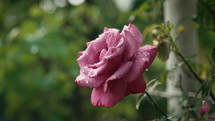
80 53
131 45
152 50
121 71
107 65
109 60
137 86
106 29
140 62
102 53
112 37
91 54
135 32
109 38
111 97
91 82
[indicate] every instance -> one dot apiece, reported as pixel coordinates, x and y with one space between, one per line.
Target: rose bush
113 65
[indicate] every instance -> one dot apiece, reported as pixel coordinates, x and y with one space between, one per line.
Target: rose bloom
113 65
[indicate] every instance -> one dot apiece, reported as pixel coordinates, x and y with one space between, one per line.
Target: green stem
188 66
155 104
177 52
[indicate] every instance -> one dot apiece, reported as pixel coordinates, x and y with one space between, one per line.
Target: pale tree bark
180 13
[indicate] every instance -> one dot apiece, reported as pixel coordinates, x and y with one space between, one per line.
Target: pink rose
113 65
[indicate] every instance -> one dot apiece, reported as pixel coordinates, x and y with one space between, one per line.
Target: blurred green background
39 42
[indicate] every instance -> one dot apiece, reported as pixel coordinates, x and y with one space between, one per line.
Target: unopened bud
204 109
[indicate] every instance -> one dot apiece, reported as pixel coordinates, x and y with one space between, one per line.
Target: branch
191 70
188 66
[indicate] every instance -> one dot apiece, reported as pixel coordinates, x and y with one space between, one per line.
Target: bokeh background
39 42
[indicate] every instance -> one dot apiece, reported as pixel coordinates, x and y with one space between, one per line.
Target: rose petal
106 29
152 50
80 53
111 59
140 62
109 63
135 32
111 97
131 45
109 38
137 86
112 37
108 60
86 81
120 72
91 54
102 53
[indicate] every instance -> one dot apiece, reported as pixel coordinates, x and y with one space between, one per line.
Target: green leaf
163 51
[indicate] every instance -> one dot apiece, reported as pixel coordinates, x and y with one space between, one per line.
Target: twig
188 66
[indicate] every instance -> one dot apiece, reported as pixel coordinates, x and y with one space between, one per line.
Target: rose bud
204 109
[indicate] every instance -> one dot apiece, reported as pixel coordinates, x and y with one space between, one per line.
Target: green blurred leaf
53 47
35 11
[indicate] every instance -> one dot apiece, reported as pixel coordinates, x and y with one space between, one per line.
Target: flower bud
204 109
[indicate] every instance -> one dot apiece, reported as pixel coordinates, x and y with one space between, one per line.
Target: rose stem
155 104
191 70
177 52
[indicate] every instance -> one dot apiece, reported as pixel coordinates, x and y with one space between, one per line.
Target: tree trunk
180 13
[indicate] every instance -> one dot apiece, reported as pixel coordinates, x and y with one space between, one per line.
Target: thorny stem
188 66
155 104
177 52
191 70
